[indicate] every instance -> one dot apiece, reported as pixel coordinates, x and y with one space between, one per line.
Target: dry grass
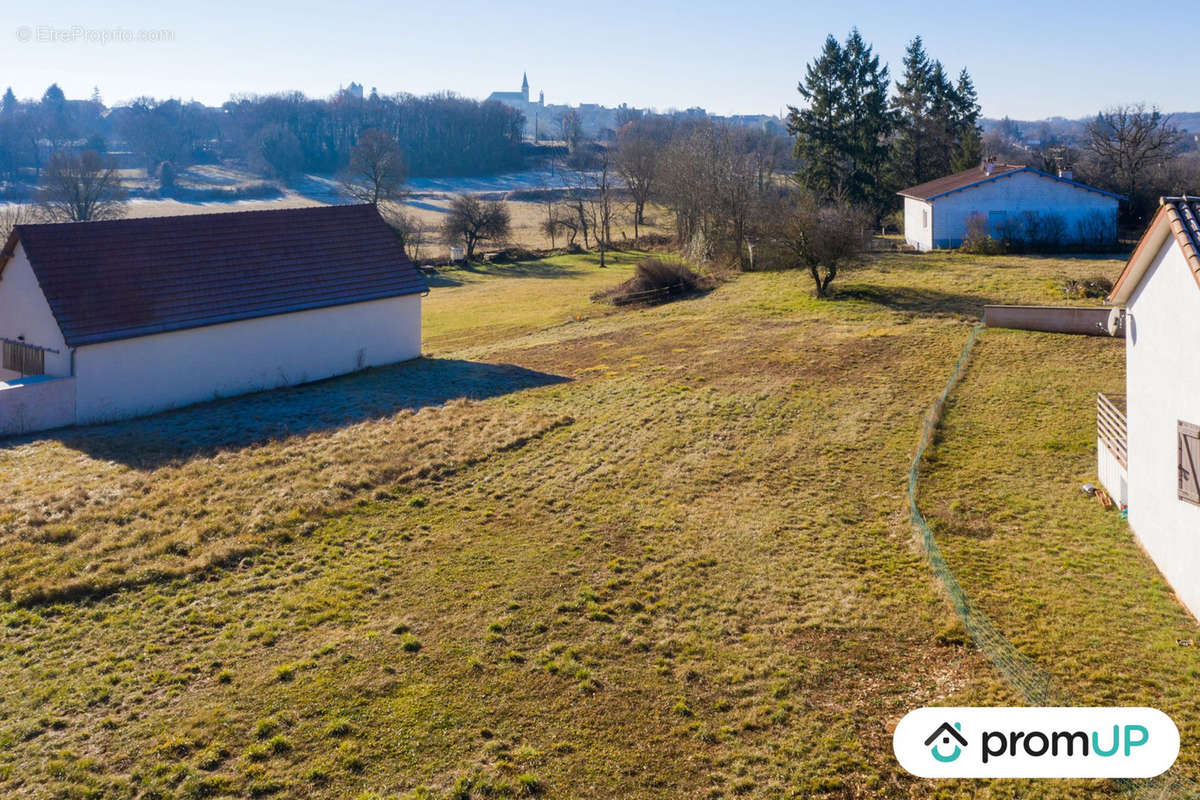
76 524
705 586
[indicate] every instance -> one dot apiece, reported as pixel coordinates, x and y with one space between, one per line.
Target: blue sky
1028 59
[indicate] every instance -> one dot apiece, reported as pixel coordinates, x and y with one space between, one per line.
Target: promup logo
947 732
1036 742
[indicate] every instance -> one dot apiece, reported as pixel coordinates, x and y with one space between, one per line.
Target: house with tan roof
1148 442
107 320
1008 201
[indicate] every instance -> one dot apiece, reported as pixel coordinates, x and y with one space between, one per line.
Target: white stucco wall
1162 388
1025 191
36 404
24 312
152 373
918 230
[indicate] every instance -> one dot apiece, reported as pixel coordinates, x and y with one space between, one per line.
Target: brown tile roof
132 277
1177 217
931 190
959 180
1183 213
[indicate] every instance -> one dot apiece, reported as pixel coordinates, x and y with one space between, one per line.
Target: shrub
509 255
1043 231
1096 286
1008 232
1096 228
166 177
979 238
654 280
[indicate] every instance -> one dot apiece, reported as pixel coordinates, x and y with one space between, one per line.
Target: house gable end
1175 224
26 314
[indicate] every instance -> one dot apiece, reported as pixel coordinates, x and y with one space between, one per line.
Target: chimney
1066 174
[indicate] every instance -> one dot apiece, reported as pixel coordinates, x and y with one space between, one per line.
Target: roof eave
1148 247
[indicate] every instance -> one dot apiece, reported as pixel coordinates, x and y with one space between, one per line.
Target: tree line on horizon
277 136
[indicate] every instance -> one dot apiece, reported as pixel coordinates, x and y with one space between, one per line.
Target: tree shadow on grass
919 301
203 430
440 280
539 268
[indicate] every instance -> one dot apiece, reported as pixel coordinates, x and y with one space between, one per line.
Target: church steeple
525 86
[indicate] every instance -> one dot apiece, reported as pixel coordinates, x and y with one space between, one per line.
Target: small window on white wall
1189 462
924 218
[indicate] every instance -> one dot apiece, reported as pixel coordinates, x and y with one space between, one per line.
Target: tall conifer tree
841 136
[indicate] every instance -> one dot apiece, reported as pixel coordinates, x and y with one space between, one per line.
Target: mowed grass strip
705 586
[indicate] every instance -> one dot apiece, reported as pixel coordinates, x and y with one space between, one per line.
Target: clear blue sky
1029 59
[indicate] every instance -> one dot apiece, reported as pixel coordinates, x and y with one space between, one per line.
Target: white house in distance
936 212
107 320
1148 456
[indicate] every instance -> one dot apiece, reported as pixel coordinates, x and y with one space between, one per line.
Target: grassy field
578 552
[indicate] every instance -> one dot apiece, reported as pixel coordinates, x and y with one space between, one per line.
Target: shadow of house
244 421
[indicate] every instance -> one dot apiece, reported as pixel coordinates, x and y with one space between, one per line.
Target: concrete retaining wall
1083 320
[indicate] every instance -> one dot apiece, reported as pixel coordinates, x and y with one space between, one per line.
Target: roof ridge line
197 216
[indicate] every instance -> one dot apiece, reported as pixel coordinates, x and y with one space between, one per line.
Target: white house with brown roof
1009 200
1149 455
107 320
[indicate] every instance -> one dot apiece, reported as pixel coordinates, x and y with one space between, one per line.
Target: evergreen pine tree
841 134
817 128
937 127
910 155
868 121
9 103
968 151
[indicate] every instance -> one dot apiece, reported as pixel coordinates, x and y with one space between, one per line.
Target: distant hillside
1061 127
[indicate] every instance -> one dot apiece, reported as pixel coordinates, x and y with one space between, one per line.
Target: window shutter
1189 462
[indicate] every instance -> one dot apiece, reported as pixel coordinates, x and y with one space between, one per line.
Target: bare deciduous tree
472 220
714 181
596 201
822 238
79 188
14 214
640 146
1128 141
407 227
376 171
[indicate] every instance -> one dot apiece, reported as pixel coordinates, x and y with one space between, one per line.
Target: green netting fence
1035 685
